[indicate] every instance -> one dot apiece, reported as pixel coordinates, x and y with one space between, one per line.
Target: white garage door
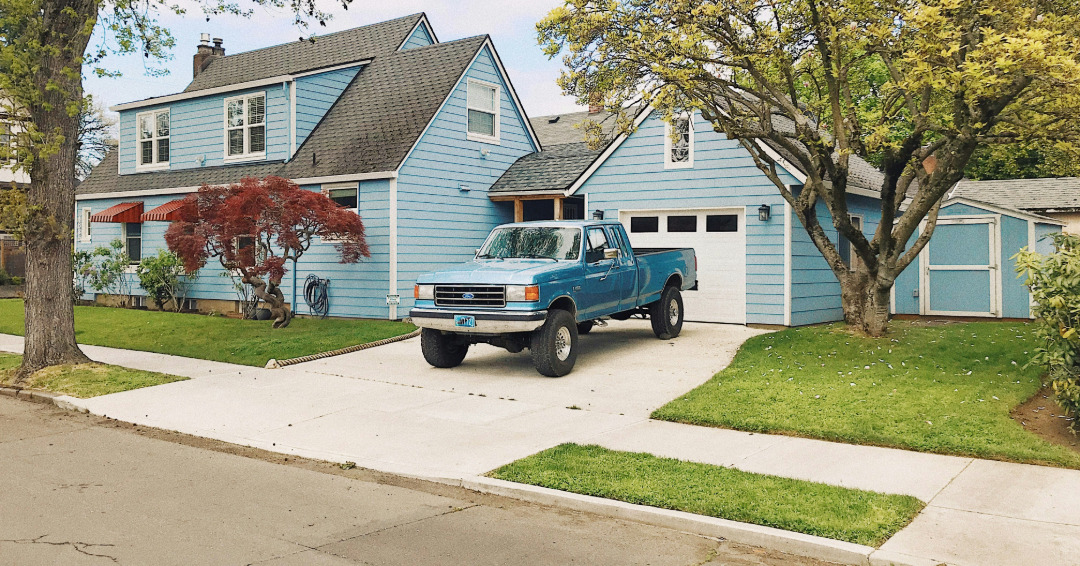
718 237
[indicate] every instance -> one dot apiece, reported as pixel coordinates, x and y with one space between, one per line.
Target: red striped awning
168 212
123 212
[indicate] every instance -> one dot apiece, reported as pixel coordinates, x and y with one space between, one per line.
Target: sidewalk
371 408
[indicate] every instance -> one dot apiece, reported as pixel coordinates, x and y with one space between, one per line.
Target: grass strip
851 515
84 380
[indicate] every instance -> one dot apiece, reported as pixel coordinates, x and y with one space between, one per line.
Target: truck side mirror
611 253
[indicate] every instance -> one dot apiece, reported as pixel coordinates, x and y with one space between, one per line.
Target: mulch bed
1043 416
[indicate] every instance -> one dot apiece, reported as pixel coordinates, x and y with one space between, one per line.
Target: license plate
464 321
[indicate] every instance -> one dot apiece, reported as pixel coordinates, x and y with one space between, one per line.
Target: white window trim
84 224
247 155
124 238
668 163
498 112
155 165
852 256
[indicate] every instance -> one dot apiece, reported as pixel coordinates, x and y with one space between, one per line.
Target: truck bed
649 251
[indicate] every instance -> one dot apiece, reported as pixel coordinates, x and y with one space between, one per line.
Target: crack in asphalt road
80 547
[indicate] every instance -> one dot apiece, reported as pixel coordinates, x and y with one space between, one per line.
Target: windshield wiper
537 256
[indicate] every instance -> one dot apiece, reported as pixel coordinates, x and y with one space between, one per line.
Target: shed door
961 275
718 236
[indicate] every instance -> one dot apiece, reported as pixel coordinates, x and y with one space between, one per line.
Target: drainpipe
294 286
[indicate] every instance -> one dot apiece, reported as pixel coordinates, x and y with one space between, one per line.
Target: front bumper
487 322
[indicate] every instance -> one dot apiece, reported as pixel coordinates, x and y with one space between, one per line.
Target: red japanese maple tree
255 226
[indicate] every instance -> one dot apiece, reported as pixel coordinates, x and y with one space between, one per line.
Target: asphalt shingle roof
551 170
1051 194
299 56
370 128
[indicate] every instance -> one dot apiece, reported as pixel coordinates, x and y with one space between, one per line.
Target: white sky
511 24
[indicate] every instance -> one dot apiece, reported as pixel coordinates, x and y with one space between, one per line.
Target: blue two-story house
408 131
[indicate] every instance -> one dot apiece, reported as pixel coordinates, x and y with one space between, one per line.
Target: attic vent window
483 110
245 127
679 143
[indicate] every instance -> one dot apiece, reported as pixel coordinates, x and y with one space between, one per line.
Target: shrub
163 278
105 271
16 280
1054 281
5 279
81 262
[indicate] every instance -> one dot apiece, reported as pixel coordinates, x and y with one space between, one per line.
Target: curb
60 400
278 364
744 533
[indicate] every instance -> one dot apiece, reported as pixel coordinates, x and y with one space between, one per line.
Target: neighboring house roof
1051 194
298 56
371 127
1001 209
562 129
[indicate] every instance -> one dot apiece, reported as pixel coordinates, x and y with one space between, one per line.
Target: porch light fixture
598 214
763 212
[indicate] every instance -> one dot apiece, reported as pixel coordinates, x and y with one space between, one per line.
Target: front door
961 268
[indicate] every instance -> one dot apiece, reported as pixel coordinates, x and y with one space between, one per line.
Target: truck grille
470 296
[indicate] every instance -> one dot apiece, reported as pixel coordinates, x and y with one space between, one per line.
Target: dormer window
245 127
679 143
153 134
483 109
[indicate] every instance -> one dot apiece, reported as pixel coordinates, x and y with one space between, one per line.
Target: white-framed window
7 142
152 131
846 249
84 224
245 127
483 111
133 241
346 195
679 143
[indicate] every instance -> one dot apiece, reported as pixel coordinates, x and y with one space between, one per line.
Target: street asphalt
80 489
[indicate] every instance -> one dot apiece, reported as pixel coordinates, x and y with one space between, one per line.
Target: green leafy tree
164 279
915 86
45 52
1022 161
1054 281
107 271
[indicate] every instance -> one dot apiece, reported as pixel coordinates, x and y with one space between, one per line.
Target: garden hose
316 295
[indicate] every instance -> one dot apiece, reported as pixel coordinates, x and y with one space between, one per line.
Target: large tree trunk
270 293
50 317
866 301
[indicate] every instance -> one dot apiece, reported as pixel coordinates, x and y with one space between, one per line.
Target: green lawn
945 388
852 515
247 342
84 380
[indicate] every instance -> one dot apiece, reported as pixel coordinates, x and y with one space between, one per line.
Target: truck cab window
595 245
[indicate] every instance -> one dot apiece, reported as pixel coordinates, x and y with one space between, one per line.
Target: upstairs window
153 139
7 142
245 127
483 108
679 143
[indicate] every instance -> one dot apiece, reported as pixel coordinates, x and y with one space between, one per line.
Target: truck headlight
424 292
522 293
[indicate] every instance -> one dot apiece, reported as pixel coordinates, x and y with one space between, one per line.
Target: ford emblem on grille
468 296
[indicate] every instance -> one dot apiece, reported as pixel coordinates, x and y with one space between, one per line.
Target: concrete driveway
387 409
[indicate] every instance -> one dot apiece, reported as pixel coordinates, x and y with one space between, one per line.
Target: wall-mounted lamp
598 214
484 152
764 212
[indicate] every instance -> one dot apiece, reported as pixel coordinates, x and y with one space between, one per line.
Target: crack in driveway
80 547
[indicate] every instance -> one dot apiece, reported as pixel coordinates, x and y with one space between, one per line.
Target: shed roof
1048 194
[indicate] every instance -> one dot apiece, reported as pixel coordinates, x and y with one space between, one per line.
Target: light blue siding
197 132
419 38
723 175
815 291
1043 244
438 222
315 94
969 291
210 284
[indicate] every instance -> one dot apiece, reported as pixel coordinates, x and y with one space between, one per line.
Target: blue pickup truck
537 285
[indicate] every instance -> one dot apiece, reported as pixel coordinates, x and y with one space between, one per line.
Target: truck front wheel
442 350
666 315
554 345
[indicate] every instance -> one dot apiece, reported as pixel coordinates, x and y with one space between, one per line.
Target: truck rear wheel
666 315
554 345
442 350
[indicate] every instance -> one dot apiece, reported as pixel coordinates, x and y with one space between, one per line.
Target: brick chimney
596 103
205 53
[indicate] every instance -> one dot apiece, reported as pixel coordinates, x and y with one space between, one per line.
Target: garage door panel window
722 223
640 224
682 223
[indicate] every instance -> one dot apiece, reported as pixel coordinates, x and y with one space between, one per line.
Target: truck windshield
534 242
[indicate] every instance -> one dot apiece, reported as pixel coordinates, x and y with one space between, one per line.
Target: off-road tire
585 327
662 313
559 330
441 350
